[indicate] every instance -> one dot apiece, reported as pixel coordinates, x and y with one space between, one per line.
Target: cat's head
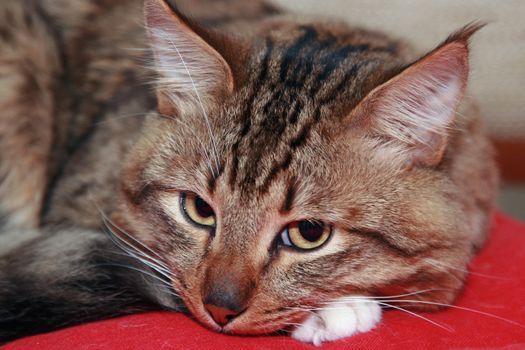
293 168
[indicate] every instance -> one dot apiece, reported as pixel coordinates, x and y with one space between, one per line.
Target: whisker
294 324
168 289
447 328
386 301
137 270
201 143
106 220
165 286
334 305
172 293
214 146
352 298
145 262
145 258
459 308
441 265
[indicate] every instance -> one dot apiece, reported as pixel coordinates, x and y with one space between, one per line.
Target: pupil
311 231
203 209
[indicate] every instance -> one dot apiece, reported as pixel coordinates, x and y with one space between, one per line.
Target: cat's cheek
339 319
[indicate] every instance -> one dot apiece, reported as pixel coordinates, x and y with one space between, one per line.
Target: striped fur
270 118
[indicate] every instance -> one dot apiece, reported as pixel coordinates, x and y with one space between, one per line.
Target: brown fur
29 63
284 147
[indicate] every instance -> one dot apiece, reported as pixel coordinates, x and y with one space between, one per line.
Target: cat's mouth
245 322
258 324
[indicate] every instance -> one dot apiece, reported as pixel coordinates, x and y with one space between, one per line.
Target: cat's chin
257 325
339 319
253 329
250 324
243 325
200 314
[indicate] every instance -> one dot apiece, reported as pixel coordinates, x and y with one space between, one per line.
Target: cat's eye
197 210
305 234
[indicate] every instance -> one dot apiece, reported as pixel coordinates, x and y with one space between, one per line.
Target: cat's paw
339 319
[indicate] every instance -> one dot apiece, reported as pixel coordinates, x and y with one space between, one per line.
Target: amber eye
305 234
197 210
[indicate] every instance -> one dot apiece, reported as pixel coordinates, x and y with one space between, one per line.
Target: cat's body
277 134
95 89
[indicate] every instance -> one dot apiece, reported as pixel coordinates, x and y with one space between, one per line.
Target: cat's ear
415 110
192 73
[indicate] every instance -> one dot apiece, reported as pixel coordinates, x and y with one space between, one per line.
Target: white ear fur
191 72
416 108
420 109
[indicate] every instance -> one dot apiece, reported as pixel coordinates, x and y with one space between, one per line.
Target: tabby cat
269 171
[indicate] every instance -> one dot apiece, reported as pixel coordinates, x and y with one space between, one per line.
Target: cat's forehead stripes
298 76
290 197
246 113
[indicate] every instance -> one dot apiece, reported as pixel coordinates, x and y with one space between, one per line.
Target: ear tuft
465 34
417 108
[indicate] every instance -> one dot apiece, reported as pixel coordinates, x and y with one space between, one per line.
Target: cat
271 172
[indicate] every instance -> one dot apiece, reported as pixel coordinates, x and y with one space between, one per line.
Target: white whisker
201 143
352 298
418 316
214 146
106 220
459 308
145 258
138 270
442 266
149 264
135 252
145 262
388 300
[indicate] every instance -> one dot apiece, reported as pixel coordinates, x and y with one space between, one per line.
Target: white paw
339 319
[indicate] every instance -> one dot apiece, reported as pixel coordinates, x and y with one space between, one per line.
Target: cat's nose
221 315
226 294
226 297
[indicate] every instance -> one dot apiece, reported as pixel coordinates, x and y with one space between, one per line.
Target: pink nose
221 315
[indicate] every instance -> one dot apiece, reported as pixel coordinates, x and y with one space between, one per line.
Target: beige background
498 51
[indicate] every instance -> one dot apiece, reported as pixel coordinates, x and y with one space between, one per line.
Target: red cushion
495 288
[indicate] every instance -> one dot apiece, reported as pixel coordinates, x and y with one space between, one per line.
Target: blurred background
497 78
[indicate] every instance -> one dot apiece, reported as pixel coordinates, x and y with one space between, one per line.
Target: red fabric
496 287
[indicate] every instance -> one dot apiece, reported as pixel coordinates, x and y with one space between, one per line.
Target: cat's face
269 196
